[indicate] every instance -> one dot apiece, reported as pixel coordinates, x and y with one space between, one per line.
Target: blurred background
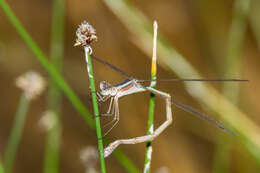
220 39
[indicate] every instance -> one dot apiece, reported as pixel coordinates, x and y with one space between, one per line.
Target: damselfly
131 86
85 34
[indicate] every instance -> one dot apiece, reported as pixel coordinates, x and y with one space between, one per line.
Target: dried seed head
89 156
47 121
85 34
31 83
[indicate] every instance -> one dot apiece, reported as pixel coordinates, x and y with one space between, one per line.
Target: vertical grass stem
16 134
1 168
52 147
149 149
95 108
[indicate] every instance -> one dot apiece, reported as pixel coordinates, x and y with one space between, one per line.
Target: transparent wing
202 116
171 79
193 80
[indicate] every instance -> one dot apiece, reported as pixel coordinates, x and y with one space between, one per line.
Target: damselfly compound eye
85 34
104 85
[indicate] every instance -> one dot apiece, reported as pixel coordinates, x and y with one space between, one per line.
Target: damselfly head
85 34
104 85
107 89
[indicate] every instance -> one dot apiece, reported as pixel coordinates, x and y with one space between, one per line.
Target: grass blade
52 147
96 111
85 35
16 133
149 149
1 168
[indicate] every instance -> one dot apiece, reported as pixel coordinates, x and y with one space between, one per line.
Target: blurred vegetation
1 168
232 68
198 29
16 133
52 153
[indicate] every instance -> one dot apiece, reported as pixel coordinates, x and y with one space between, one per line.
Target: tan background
198 29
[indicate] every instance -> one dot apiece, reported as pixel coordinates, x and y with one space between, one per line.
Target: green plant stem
95 108
232 68
52 150
148 148
170 59
1 168
150 130
57 77
16 133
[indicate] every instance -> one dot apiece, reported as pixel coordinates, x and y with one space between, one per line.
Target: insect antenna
202 116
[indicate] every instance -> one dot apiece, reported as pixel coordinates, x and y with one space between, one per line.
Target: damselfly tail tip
230 131
245 80
237 80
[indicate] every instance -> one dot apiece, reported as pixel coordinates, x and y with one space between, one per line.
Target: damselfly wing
178 104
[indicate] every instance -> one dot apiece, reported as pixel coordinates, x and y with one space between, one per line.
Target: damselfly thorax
126 87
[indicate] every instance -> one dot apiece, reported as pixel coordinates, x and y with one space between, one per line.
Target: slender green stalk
95 107
1 168
205 94
52 148
232 68
149 149
16 133
51 164
61 83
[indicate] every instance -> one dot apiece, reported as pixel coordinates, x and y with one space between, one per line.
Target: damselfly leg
115 112
108 150
113 109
